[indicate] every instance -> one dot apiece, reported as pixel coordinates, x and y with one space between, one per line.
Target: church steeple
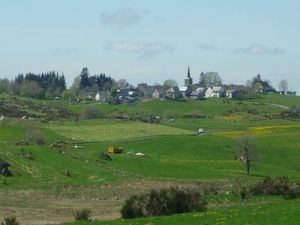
188 80
188 73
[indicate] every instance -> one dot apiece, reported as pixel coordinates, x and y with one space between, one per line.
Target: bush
253 111
105 156
163 202
34 136
279 186
92 112
244 193
27 155
194 115
10 220
145 118
83 215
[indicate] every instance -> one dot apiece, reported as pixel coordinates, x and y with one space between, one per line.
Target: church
188 81
186 90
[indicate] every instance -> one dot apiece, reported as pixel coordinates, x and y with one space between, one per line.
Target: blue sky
153 40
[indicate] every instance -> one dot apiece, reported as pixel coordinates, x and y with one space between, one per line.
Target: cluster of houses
188 90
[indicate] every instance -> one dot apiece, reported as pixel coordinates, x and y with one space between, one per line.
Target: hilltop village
211 87
104 89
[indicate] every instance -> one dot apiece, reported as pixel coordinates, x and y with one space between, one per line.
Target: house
233 91
145 90
173 92
198 94
102 96
265 86
158 93
209 93
218 91
185 91
132 91
214 92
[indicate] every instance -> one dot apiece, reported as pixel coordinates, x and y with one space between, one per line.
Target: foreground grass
276 212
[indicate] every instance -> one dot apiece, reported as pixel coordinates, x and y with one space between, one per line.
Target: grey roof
217 88
160 90
235 87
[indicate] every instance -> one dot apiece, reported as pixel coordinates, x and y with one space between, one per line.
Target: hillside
172 153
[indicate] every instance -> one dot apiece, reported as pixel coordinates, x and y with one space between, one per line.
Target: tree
169 83
257 87
247 150
210 79
76 82
4 85
32 89
84 78
122 83
283 86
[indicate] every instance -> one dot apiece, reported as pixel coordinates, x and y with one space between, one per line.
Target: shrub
83 215
105 156
163 202
279 186
34 136
194 115
92 112
10 220
27 155
253 111
145 117
244 193
241 189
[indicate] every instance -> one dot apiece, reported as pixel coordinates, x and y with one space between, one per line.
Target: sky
151 41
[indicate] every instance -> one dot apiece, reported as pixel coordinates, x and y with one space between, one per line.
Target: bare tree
283 86
247 150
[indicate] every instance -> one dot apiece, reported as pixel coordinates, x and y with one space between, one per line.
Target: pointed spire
189 73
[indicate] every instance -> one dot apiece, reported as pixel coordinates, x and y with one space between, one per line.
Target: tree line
52 84
45 85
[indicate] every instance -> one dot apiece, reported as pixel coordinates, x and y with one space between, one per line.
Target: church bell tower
188 80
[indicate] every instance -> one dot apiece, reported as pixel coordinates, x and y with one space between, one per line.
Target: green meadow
170 152
273 211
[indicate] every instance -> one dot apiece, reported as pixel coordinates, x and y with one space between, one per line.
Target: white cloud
206 47
123 18
144 50
258 49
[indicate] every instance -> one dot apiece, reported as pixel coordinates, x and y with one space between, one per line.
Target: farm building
173 92
158 93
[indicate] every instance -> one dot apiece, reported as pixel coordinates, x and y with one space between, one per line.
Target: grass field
271 212
111 130
174 155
